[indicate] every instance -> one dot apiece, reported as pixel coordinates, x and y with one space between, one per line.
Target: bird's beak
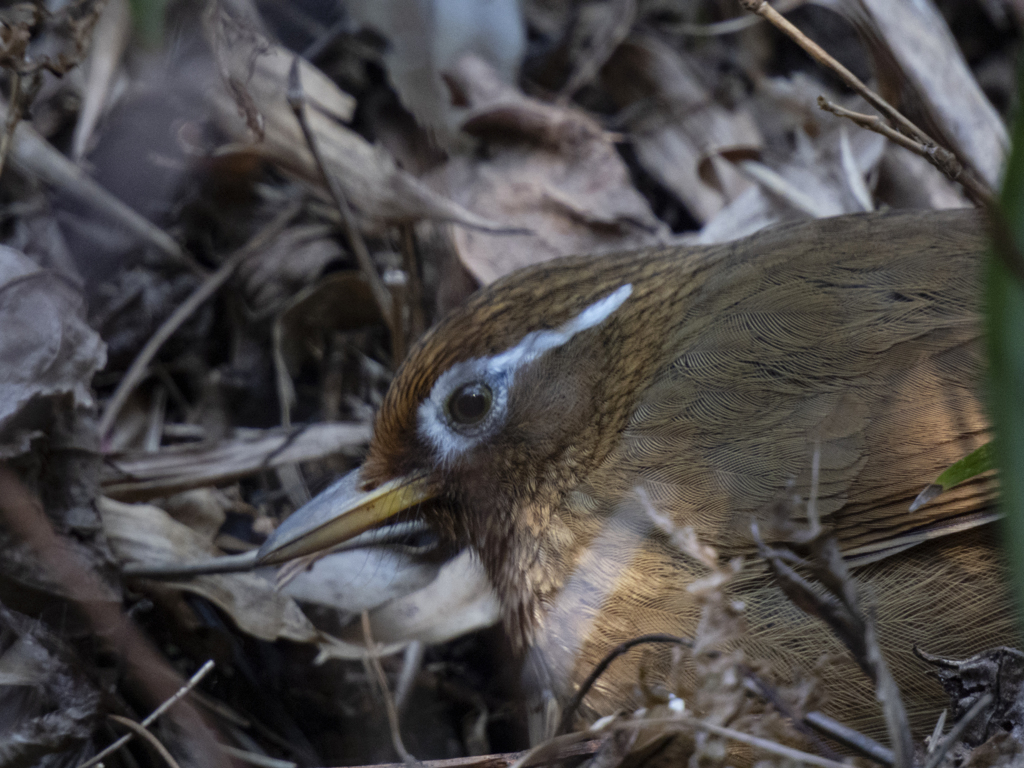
341 512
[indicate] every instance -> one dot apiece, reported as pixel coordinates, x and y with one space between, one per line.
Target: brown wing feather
872 353
852 348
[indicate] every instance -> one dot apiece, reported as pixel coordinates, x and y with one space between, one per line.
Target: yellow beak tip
339 513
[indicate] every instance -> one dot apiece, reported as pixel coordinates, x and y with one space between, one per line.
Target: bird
527 423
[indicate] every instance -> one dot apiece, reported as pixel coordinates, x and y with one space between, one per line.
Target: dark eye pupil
470 403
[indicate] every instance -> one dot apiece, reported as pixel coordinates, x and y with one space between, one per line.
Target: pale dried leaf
425 39
677 128
142 533
408 598
550 170
46 348
204 510
807 180
751 211
256 71
108 45
360 580
460 600
255 111
141 475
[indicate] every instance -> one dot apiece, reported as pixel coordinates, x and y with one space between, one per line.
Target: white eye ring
447 432
450 433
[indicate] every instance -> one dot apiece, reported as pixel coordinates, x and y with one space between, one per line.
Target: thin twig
412 664
556 745
951 738
942 158
144 734
813 518
109 42
767 693
819 54
253 758
327 38
576 749
854 178
193 681
874 123
372 659
285 387
837 606
33 155
240 563
851 738
417 323
726 27
573 704
297 101
15 109
137 372
744 738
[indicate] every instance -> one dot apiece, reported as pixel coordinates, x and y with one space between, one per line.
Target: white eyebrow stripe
536 343
499 372
599 311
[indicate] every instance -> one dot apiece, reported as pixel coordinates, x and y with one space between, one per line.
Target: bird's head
497 415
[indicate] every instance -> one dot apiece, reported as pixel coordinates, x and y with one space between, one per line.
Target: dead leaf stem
297 101
373 660
143 733
914 138
936 757
852 738
193 681
22 514
612 655
137 371
772 747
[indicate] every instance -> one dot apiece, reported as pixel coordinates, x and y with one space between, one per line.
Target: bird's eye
470 403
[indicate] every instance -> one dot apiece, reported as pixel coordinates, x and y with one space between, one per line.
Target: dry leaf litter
192 343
